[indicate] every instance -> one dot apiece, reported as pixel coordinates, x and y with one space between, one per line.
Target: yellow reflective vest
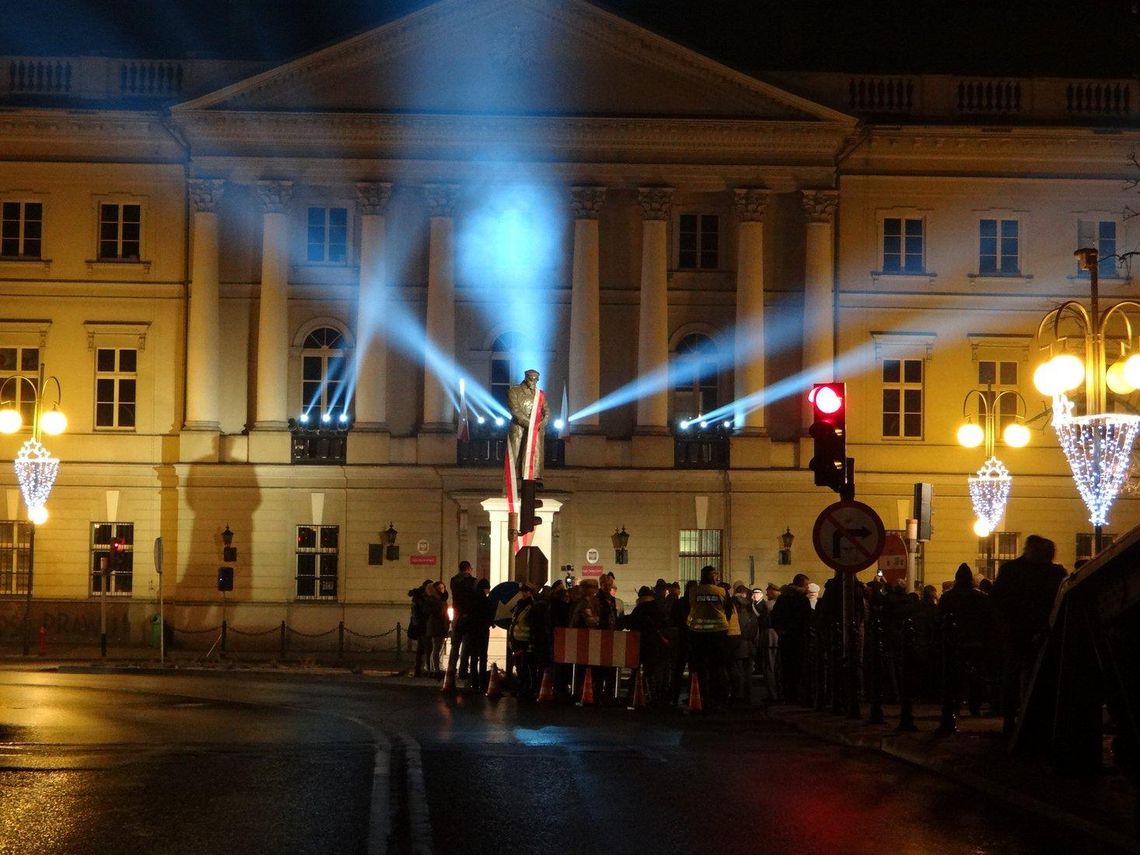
707 609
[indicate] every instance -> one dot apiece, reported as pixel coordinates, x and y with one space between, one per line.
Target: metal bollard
284 639
906 689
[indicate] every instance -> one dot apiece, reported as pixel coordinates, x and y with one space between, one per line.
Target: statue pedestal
502 556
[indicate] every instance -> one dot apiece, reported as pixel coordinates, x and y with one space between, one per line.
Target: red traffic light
826 398
119 544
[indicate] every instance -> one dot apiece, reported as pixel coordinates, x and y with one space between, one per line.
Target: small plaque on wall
375 554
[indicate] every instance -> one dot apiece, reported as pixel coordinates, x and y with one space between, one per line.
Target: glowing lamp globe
1070 371
53 423
982 528
1046 380
10 420
1016 435
38 515
1132 371
1116 381
971 435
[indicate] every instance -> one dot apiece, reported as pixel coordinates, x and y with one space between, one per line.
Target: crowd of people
973 642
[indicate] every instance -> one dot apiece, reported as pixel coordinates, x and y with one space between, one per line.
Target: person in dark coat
968 620
679 618
477 634
791 618
437 625
1023 594
650 621
462 601
418 626
741 657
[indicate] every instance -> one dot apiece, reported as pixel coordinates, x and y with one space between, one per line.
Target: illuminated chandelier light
989 492
35 471
1099 451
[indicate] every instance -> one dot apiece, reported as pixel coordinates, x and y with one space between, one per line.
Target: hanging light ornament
989 492
36 470
1099 451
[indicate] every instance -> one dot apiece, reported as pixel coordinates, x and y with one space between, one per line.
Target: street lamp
786 539
1097 444
36 468
392 551
990 487
620 540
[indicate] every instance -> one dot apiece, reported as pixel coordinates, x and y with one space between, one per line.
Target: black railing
328 447
491 449
701 445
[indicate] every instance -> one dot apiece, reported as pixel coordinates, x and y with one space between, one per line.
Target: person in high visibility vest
708 630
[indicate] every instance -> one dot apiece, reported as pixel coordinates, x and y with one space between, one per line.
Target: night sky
1097 38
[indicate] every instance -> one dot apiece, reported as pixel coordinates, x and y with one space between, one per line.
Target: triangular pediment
513 57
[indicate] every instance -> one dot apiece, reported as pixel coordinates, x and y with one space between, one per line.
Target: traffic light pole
104 567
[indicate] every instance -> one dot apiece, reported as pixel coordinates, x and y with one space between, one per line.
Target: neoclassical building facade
261 287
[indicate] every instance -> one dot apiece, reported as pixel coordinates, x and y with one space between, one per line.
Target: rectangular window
902 398
317 561
116 382
999 247
23 362
904 245
1086 545
999 547
327 236
15 557
120 232
998 376
699 546
111 565
21 233
698 242
1101 236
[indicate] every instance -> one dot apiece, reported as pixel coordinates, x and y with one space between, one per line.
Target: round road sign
848 536
592 556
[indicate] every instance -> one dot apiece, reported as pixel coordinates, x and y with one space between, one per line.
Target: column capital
819 205
441 199
655 202
206 193
274 195
373 196
750 203
586 202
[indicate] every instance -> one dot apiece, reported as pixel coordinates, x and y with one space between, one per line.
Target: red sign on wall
420 560
591 570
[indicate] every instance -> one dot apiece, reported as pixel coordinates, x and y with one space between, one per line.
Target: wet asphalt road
250 762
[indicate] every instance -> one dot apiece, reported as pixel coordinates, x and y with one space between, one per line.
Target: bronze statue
520 400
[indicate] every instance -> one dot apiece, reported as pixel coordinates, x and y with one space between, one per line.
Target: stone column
202 333
819 285
749 339
371 399
585 323
653 317
440 322
271 393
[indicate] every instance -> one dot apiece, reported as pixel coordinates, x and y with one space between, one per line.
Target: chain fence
347 641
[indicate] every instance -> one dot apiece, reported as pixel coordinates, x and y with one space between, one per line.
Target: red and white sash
530 465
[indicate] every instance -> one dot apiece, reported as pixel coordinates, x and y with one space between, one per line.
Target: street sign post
848 536
161 616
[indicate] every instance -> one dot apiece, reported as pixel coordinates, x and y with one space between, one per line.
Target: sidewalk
1106 807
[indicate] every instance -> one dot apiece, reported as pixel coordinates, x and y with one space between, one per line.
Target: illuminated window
999 247
904 245
1101 236
1001 376
22 362
15 557
120 232
324 366
21 233
999 547
317 548
327 236
698 242
699 546
695 377
120 579
902 398
116 383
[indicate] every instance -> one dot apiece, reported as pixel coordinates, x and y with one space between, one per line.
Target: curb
885 744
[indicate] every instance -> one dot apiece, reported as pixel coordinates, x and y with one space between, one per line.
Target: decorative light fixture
36 467
786 546
990 487
392 551
620 540
1097 444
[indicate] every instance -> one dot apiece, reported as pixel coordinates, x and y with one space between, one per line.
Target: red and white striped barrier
603 647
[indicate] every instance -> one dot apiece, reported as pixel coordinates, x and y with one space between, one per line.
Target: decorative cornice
373 196
819 205
749 203
440 199
655 202
274 195
586 202
206 193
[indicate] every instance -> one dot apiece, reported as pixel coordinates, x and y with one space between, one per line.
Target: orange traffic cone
448 681
640 699
546 690
695 705
587 698
495 683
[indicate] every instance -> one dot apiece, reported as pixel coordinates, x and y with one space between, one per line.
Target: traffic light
225 578
528 518
829 430
117 556
923 508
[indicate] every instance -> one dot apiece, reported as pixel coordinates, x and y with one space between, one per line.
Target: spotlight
728 423
343 417
304 418
559 424
326 417
684 424
499 421
480 420
704 425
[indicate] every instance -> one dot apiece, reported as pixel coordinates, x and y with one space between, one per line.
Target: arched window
324 364
695 376
510 353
